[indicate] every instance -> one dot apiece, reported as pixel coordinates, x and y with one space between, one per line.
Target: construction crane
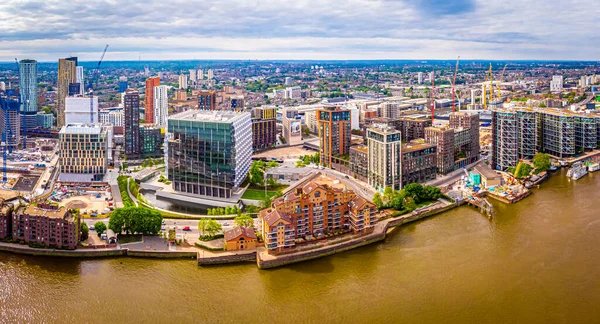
500 80
432 95
491 84
453 85
94 79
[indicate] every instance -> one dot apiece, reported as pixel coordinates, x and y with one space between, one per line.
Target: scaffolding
505 141
559 134
529 133
586 133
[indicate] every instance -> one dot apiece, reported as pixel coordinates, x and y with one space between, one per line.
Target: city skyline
425 29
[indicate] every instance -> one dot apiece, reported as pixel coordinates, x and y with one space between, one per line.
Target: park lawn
425 203
256 194
124 238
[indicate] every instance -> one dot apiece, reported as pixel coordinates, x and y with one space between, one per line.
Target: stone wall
224 259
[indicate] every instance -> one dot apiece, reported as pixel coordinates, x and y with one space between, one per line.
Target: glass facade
209 155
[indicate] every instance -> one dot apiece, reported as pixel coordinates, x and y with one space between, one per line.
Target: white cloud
302 29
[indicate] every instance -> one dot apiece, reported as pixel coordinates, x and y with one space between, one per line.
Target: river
537 261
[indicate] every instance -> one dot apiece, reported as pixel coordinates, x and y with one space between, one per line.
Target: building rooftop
411 147
239 231
215 116
81 129
52 213
362 148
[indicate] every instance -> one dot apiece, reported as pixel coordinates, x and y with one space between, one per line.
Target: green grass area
425 203
256 194
124 238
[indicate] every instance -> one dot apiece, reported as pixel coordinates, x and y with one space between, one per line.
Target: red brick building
149 99
46 224
5 221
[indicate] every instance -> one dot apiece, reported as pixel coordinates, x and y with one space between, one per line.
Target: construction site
518 133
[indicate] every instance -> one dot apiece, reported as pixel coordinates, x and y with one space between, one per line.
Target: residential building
289 81
264 128
66 76
470 121
413 127
193 76
209 152
556 85
123 84
5 221
286 175
291 127
45 120
131 123
334 134
443 138
113 116
28 90
419 77
207 100
316 206
292 92
310 119
10 119
79 79
183 81
388 110
558 129
161 105
200 75
385 157
180 95
419 162
151 141
46 224
149 109
240 238
210 75
359 162
83 153
78 110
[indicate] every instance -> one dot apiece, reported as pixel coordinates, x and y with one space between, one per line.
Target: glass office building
209 152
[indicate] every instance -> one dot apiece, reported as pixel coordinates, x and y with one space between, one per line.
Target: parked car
92 227
225 224
187 228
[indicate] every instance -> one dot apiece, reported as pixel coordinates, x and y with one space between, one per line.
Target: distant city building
292 130
193 76
149 99
288 81
200 75
10 119
66 76
45 120
556 85
334 134
83 153
161 105
210 74
207 100
419 77
113 116
79 78
292 92
389 110
131 112
28 90
45 224
2 86
183 81
123 84
209 152
359 162
310 119
151 141
264 128
413 127
77 110
74 89
385 157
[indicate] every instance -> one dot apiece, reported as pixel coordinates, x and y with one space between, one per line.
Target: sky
301 29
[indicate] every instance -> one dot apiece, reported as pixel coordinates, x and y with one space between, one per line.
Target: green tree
202 226
541 162
227 210
100 227
432 193
244 220
135 220
388 194
377 200
85 231
415 191
410 204
213 227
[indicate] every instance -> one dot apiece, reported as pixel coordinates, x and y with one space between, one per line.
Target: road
178 223
361 188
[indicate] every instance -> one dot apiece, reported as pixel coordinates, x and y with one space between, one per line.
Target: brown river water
537 261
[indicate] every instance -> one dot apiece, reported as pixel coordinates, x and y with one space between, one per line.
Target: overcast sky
301 29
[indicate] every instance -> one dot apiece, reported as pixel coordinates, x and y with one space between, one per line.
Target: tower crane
491 84
94 79
453 85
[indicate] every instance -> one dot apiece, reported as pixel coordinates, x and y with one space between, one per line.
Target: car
163 228
225 224
164 223
187 228
92 227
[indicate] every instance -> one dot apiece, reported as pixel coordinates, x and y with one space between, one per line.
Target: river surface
536 262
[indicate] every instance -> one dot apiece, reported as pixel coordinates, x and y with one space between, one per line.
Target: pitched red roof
236 232
274 216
